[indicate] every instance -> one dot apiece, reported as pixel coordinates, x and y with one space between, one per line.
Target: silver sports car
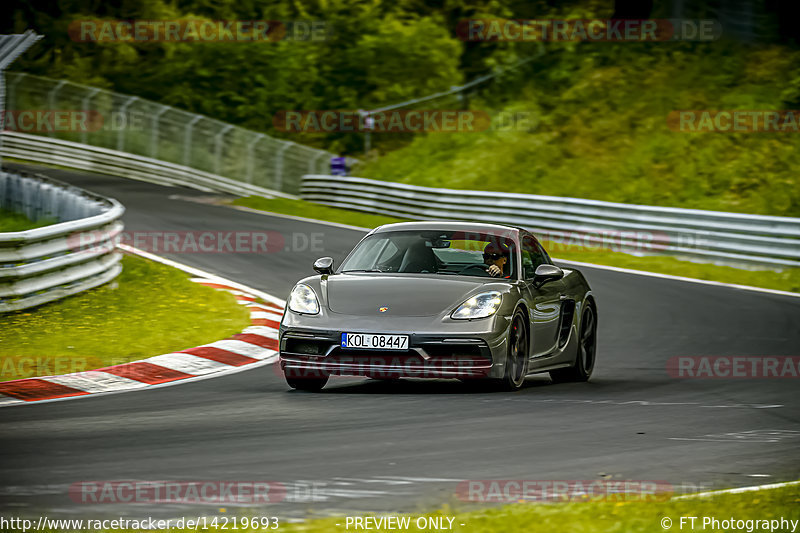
440 300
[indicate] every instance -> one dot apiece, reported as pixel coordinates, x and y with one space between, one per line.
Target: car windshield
456 253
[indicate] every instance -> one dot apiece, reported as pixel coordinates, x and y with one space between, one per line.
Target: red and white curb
257 345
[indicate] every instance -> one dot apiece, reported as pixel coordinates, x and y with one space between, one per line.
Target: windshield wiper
362 270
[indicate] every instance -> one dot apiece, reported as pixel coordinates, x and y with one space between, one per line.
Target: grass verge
301 208
10 221
585 517
609 517
150 309
784 280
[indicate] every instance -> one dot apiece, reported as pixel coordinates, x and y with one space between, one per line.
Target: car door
544 301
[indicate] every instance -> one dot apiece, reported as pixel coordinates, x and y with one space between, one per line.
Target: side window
532 256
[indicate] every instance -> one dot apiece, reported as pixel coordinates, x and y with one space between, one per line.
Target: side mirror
547 273
324 265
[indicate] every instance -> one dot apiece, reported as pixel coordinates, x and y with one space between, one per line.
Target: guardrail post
312 164
166 152
218 149
279 165
251 156
11 46
85 107
12 89
154 132
121 133
51 100
187 140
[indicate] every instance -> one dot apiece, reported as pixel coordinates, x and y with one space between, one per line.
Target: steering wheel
483 268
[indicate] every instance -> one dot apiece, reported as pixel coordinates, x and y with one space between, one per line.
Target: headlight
303 300
479 306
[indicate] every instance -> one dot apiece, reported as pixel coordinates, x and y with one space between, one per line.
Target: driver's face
500 262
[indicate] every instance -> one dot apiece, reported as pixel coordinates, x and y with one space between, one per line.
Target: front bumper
313 353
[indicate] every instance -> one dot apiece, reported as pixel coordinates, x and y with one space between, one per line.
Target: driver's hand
494 271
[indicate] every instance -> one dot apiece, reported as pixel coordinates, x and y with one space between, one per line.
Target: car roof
447 225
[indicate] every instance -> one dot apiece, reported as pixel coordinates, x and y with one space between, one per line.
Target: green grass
584 517
10 221
150 309
302 208
608 517
785 280
598 129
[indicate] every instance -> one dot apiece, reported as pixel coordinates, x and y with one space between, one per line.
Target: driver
496 256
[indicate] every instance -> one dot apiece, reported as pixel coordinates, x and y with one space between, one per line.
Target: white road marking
241 348
93 381
737 490
424 479
756 435
269 316
187 363
678 278
211 278
8 400
233 370
373 480
302 219
264 331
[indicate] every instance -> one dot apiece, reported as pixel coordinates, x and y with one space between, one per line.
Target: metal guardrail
710 236
189 149
76 253
105 161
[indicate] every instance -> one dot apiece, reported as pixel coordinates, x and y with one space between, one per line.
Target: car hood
366 294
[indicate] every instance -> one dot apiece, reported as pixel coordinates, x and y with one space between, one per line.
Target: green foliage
374 52
601 132
600 108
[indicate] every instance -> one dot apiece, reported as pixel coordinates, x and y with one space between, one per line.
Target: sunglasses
493 256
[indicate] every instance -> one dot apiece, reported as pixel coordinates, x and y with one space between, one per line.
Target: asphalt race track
363 445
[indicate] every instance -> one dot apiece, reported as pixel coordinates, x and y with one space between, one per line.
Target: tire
307 384
516 367
586 351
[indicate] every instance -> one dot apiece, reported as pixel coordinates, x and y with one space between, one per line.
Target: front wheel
307 384
517 360
581 370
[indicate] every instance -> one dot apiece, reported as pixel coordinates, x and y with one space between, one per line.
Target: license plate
372 341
